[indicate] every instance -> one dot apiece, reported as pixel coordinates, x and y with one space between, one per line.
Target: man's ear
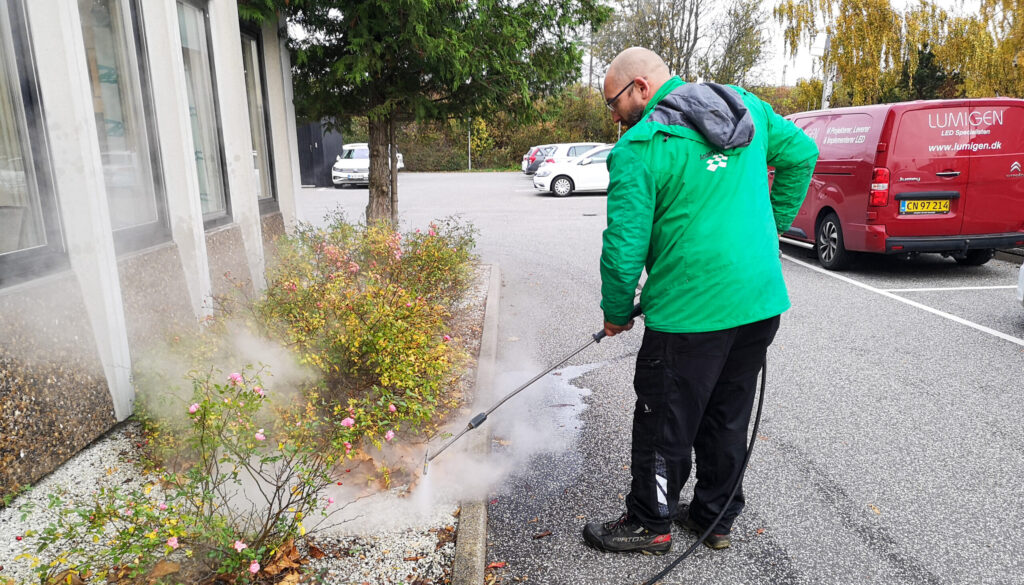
644 87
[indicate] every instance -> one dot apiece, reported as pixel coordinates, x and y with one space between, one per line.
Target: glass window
30 238
356 153
254 90
117 98
195 49
21 218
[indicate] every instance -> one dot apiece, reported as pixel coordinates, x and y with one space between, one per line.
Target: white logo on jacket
716 162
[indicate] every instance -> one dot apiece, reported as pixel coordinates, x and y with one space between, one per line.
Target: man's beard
632 117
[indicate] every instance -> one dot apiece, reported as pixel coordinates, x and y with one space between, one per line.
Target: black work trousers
693 391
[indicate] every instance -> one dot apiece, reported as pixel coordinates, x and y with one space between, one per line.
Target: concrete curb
471 539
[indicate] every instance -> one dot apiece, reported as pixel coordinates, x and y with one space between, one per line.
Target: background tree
874 50
395 61
670 28
738 49
865 38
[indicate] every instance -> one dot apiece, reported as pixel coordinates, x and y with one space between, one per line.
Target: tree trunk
379 206
393 160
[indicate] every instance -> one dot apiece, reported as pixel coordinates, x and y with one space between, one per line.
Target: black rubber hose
735 486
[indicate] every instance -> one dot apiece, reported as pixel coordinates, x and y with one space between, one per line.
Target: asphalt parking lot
890 450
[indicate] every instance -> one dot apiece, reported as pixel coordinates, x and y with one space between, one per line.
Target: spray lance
479 419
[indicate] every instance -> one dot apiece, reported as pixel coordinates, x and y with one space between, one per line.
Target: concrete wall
67 340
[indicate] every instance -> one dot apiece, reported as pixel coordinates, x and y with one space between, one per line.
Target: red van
943 176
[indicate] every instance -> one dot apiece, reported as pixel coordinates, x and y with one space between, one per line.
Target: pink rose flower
353 267
348 447
330 501
172 542
258 390
192 409
235 379
260 436
162 506
391 408
254 567
389 435
240 546
348 421
447 338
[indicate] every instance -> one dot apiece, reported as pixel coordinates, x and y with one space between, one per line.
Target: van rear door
995 194
929 168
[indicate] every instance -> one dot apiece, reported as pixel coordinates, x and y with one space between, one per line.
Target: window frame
226 218
269 204
29 263
139 237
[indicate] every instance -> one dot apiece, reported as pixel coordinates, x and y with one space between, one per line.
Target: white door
593 174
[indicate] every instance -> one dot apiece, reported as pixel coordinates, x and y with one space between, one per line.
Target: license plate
924 206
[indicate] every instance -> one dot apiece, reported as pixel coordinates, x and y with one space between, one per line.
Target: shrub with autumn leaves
370 308
238 475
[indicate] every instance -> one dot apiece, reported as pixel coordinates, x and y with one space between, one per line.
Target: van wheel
975 257
831 251
561 186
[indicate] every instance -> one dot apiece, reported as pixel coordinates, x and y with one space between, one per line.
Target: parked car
1020 286
589 172
525 158
568 151
940 176
537 158
352 167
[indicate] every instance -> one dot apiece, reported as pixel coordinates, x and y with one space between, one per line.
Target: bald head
638 62
633 78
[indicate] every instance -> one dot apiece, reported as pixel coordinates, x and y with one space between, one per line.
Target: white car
352 167
589 172
568 151
1020 286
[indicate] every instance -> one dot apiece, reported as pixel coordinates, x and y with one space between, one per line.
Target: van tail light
879 196
550 160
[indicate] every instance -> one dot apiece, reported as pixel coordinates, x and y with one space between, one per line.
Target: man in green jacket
688 201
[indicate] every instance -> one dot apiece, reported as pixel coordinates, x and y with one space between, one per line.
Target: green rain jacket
688 200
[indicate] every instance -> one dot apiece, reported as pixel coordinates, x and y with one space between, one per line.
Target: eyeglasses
611 103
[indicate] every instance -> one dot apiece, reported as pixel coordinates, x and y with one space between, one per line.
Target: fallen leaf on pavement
535 519
874 509
500 565
316 552
542 534
494 501
411 559
760 530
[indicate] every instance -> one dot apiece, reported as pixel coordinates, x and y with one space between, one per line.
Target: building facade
147 149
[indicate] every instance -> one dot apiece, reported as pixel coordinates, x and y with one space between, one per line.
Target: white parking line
895 290
915 304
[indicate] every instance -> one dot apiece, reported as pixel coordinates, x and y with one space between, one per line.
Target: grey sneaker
626 535
713 541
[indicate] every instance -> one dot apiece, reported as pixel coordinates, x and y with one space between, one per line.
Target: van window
934 133
356 153
997 130
839 137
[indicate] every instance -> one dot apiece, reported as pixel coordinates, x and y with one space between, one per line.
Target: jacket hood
716 111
